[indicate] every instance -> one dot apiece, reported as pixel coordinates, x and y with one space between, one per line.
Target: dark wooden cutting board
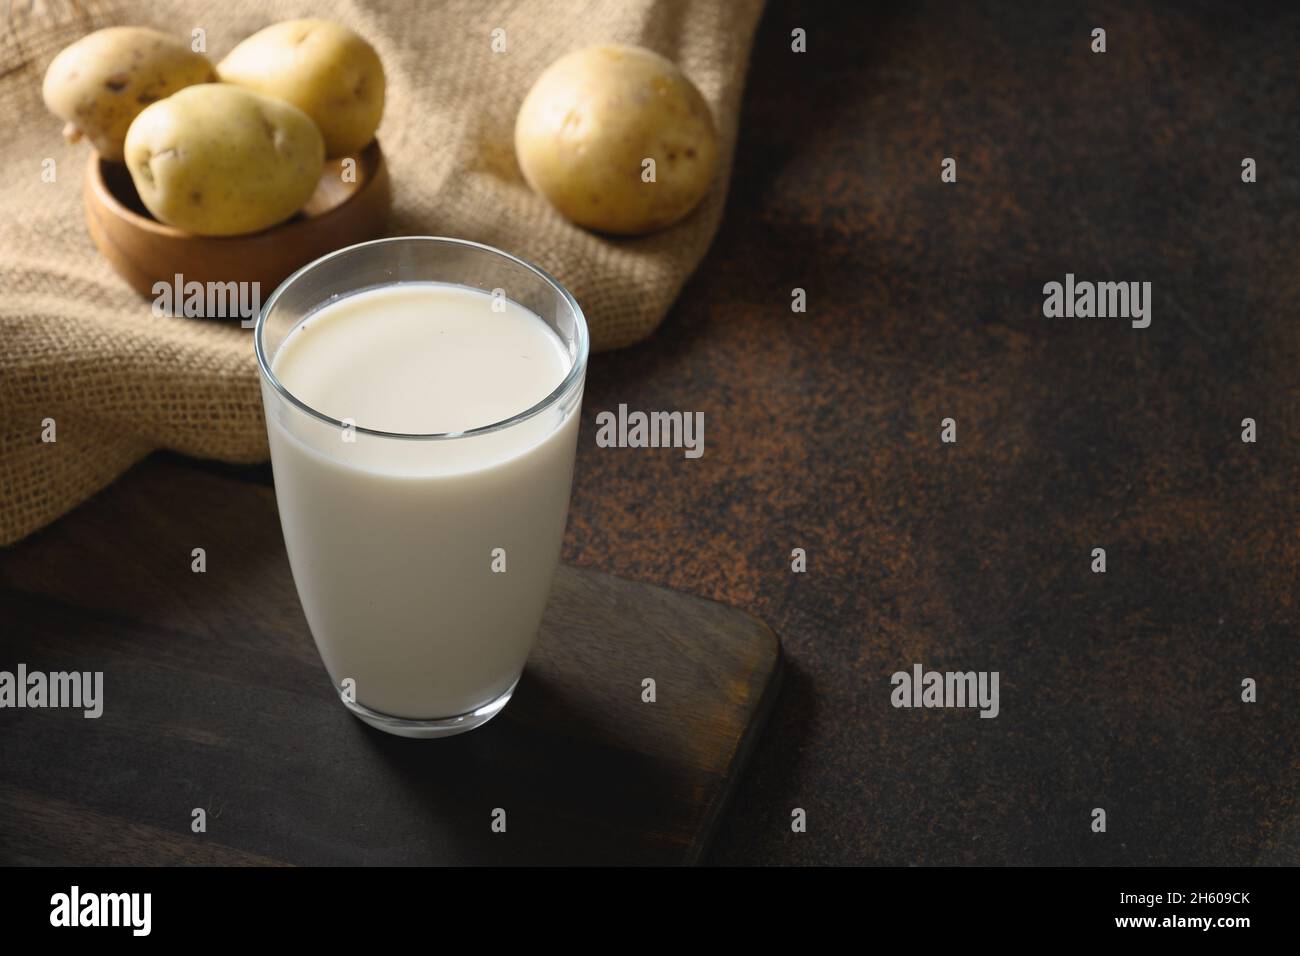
214 698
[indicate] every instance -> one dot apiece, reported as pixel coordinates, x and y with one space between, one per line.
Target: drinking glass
392 538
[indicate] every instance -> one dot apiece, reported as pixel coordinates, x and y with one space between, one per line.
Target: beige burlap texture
79 347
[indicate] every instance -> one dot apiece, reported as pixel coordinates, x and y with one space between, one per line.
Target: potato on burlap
220 160
594 120
101 83
324 69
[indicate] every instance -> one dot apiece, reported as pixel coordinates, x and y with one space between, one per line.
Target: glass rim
575 374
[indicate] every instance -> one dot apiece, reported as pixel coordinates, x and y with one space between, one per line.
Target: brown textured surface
1120 690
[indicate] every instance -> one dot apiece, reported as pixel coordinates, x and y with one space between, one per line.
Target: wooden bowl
144 251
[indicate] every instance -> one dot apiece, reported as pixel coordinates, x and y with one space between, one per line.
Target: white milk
391 540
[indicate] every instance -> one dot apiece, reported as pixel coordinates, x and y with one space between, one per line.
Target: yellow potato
101 83
593 119
324 69
220 160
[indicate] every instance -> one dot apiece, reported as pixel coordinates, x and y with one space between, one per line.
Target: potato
220 160
101 83
593 118
324 69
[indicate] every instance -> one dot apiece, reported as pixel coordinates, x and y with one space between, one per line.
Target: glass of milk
422 401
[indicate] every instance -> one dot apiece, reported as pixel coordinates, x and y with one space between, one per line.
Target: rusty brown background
924 302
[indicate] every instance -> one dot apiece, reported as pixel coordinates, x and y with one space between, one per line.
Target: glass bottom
427 729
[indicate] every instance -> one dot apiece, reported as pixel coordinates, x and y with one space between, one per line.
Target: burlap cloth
78 346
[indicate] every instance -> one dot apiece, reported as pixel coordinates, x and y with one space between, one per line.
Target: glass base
427 729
